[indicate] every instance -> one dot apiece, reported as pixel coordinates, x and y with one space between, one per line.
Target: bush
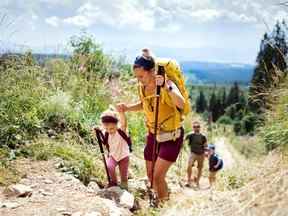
274 136
274 133
89 57
249 123
59 96
21 93
137 129
225 120
237 127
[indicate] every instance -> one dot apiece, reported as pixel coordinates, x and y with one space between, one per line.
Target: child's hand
94 129
121 107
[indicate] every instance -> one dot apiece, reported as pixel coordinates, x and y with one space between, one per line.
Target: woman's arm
175 94
131 107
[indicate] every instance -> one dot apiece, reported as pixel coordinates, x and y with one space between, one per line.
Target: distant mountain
219 73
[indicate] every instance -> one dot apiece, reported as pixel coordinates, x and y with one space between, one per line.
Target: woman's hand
160 80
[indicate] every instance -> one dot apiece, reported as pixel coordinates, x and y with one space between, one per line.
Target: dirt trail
264 194
56 194
192 201
225 153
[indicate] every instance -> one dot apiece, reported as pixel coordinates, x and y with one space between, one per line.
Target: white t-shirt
118 147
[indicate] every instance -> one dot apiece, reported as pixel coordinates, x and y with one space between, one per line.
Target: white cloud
131 15
34 16
206 15
53 21
126 13
210 15
241 18
158 15
79 20
87 15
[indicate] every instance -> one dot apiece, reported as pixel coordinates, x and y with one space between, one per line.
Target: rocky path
45 191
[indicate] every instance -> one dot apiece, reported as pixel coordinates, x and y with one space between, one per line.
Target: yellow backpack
174 73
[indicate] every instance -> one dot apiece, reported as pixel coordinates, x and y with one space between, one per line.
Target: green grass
274 134
8 174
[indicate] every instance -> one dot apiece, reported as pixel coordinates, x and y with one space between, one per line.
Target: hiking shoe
188 185
111 184
124 186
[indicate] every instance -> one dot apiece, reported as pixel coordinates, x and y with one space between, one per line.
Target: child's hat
109 116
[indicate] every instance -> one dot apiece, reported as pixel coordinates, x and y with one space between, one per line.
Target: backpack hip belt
166 136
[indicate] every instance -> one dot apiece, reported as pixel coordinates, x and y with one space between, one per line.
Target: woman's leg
149 170
123 169
111 165
161 168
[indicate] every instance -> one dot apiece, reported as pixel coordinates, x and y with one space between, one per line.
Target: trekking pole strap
100 139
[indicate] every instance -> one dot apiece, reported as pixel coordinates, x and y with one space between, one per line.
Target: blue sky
201 30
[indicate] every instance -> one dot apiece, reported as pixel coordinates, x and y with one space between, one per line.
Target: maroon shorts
168 150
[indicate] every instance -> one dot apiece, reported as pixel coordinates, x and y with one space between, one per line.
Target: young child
215 164
118 144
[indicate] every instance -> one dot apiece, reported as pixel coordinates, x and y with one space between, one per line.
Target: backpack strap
126 138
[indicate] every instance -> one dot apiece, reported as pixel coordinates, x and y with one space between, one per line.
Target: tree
90 59
270 69
231 111
215 106
224 98
201 103
234 94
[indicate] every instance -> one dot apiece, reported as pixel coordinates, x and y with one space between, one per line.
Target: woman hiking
169 130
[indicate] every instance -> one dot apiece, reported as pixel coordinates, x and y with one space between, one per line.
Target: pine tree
242 103
224 98
234 94
215 106
201 103
271 67
218 109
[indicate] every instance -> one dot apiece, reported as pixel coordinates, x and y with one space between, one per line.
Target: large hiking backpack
174 73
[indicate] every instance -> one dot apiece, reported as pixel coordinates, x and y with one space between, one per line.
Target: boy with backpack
118 144
215 164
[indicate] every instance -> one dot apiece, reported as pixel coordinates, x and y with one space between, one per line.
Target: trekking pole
100 139
152 197
180 168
